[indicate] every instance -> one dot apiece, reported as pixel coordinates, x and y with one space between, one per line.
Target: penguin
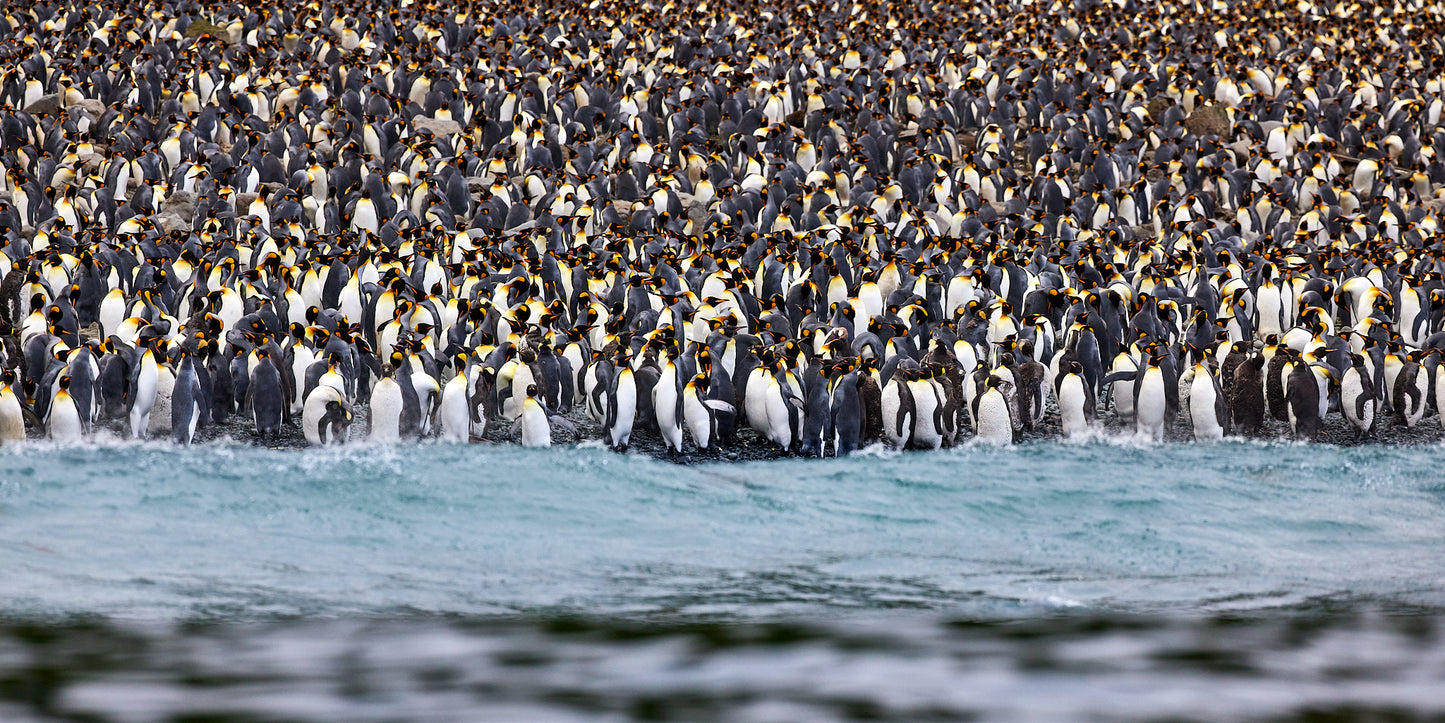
387 402
142 389
1208 407
699 419
1308 397
847 414
1150 399
1246 396
667 408
535 429
454 413
993 413
621 408
1411 389
63 424
265 398
187 401
12 412
325 417
1357 398
784 412
1078 414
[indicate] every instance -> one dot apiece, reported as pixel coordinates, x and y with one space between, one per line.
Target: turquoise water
1016 582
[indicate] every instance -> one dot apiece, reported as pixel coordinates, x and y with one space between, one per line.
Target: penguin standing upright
186 401
1357 397
1208 409
1246 396
1077 413
1411 389
621 408
993 414
1151 400
387 402
141 392
696 416
667 406
63 424
12 413
847 411
454 415
1308 397
536 431
264 396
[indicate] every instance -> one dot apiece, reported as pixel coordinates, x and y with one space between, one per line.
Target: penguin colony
805 225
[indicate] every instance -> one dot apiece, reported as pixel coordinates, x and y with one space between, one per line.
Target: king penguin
1208 409
64 424
536 431
992 413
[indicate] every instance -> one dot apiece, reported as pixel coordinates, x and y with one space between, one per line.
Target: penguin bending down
536 430
325 416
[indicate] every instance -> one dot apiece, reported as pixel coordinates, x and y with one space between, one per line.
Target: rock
197 28
1157 105
696 210
170 223
1209 120
92 106
438 127
242 201
47 105
181 204
90 332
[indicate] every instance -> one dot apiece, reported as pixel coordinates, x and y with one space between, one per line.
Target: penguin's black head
65 382
531 390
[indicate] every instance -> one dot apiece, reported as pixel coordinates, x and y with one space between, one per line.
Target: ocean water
1046 581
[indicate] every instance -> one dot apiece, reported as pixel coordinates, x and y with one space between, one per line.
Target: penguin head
531 391
65 382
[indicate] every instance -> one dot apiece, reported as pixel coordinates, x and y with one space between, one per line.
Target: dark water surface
1044 582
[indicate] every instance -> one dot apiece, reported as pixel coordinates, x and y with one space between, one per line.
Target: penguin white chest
386 405
995 425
